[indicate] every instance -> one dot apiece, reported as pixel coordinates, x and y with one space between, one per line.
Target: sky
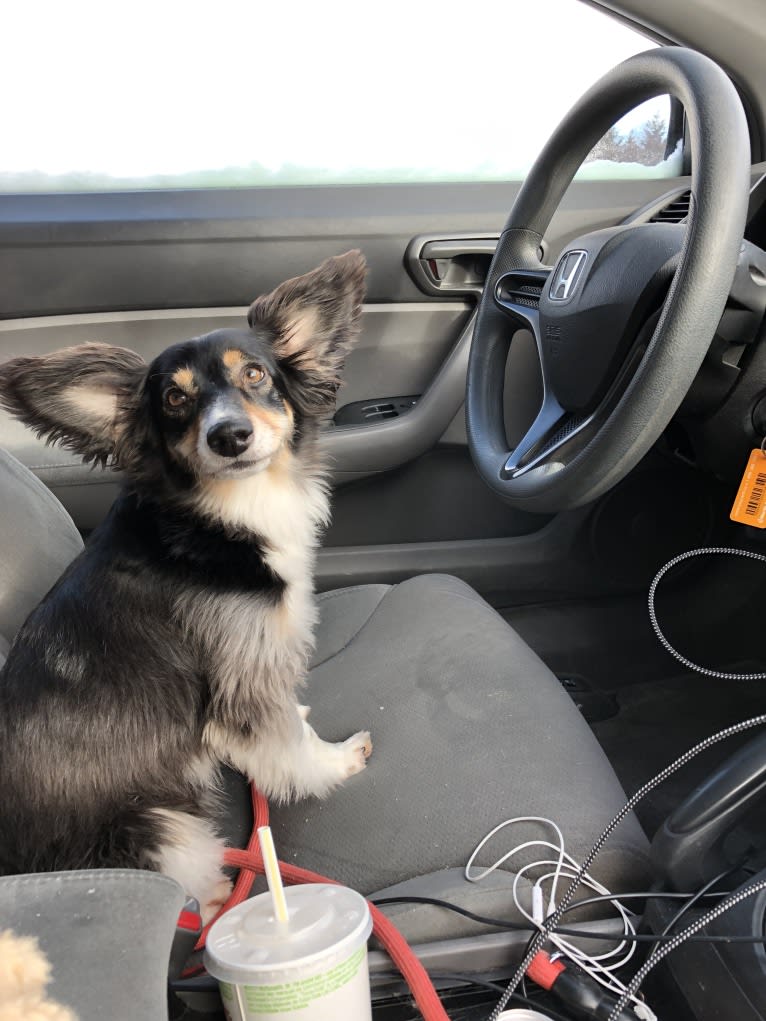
167 87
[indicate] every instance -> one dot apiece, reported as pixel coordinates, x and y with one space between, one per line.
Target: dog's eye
176 398
254 375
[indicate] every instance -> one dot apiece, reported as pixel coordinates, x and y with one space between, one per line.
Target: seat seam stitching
478 601
327 596
356 634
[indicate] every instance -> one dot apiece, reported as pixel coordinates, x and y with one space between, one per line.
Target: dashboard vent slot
674 211
528 295
520 291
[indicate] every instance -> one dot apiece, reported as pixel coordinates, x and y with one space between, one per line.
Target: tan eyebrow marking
233 359
235 362
184 378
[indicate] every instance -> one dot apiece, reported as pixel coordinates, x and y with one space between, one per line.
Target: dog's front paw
218 896
356 751
328 764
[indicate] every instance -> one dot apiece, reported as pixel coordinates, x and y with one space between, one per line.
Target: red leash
250 864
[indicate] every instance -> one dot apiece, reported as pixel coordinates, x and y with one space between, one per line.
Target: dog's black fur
136 674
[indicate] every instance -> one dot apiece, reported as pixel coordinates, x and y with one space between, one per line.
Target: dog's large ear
78 397
314 320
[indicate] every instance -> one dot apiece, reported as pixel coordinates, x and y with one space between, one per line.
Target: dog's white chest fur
260 649
281 508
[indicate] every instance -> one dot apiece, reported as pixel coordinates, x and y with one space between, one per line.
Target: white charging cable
601 967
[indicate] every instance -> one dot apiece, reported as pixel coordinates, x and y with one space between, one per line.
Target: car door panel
92 252
402 348
147 269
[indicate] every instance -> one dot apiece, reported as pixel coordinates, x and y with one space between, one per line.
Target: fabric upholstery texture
39 540
107 934
343 615
469 728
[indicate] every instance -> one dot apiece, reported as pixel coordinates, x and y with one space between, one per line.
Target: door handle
450 265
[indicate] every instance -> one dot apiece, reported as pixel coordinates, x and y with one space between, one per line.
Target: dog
180 637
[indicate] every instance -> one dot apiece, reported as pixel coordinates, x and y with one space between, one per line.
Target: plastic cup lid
248 941
523 1014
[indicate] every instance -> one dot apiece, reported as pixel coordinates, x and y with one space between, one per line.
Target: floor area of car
658 721
645 707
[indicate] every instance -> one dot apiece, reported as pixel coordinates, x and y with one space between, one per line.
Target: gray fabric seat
469 728
38 540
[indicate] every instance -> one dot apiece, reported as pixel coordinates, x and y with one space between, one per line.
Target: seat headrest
38 540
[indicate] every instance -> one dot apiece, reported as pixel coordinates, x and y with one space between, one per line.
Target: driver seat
469 728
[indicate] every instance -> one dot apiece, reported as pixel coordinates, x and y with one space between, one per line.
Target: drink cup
313 967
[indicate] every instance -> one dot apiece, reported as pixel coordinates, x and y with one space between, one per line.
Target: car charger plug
579 993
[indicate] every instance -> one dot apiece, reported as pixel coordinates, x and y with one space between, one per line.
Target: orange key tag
750 503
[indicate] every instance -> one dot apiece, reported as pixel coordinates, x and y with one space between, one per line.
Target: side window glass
648 142
243 94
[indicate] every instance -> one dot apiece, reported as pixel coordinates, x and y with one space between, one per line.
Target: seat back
38 540
107 934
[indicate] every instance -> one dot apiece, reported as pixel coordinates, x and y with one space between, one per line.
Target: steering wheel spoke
540 440
518 295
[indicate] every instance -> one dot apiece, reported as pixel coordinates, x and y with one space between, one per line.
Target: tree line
645 145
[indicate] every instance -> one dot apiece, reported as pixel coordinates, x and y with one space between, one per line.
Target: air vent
522 288
527 295
674 211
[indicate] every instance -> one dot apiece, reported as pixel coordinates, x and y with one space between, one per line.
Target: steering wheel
624 320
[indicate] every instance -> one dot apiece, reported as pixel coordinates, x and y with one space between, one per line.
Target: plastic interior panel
492 566
401 349
437 498
83 252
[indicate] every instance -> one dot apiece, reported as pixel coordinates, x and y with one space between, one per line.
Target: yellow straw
273 878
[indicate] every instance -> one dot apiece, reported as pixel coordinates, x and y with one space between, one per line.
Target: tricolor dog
178 640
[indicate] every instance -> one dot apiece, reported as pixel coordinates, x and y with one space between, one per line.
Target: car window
241 94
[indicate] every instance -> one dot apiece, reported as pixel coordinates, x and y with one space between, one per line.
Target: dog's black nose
230 437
